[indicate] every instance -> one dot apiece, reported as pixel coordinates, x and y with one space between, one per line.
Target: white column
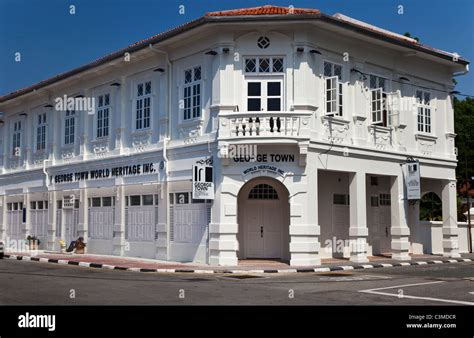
223 229
3 223
6 138
450 224
51 240
121 100
29 139
83 226
55 125
119 226
399 229
26 207
162 229
304 226
358 230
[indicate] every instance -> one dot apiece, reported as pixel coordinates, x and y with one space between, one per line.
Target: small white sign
203 183
412 180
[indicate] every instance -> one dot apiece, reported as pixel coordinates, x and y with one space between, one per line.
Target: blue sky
51 40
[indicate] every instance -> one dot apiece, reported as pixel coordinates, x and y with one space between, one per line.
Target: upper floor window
423 101
264 65
333 90
16 143
69 127
264 95
379 101
103 107
143 105
192 93
41 132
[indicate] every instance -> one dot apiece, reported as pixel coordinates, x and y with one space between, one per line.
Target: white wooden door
263 220
14 219
39 222
254 223
384 234
71 220
140 223
101 222
190 222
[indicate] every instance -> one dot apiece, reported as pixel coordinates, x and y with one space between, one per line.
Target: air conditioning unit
68 202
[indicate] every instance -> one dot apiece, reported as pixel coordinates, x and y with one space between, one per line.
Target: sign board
104 173
412 180
203 183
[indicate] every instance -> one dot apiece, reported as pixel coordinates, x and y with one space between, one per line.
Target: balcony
293 125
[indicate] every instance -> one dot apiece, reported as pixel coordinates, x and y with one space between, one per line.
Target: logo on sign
203 185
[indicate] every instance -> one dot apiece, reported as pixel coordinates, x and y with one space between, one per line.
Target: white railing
264 124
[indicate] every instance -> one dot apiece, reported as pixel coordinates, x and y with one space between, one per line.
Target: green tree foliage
408 35
464 128
430 208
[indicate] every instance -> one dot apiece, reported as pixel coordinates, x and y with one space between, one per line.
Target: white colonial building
328 109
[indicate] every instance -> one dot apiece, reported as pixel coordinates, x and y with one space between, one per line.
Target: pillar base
451 254
309 261
359 259
401 256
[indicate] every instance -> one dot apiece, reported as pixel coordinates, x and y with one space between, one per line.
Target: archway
431 207
264 219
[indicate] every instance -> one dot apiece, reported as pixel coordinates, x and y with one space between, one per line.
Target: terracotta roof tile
264 10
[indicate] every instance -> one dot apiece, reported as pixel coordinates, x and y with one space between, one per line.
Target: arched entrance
264 218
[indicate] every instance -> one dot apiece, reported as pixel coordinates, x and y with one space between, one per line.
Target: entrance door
71 220
380 215
264 223
15 220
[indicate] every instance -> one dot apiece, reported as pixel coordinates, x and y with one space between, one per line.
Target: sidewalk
245 266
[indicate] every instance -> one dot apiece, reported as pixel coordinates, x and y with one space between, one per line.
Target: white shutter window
376 105
332 95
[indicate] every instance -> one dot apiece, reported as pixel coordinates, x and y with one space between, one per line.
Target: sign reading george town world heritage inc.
104 173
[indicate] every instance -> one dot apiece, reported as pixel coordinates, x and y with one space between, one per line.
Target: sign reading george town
203 184
129 170
278 158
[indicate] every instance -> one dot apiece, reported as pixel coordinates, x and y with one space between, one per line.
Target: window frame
68 118
424 108
17 137
41 131
191 86
257 64
339 88
264 97
385 113
99 111
135 98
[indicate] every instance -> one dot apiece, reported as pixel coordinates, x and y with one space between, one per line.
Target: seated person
79 245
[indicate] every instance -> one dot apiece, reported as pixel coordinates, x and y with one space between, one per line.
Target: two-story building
306 118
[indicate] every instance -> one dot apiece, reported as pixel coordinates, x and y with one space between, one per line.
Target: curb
223 271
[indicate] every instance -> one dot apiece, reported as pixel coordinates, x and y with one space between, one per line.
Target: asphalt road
32 283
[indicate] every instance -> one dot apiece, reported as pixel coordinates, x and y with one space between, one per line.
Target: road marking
377 292
472 292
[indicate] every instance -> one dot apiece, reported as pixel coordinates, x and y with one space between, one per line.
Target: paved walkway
251 265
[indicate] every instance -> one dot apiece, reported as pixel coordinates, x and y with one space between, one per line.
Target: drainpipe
166 139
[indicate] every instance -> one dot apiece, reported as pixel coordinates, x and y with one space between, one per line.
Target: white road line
376 292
